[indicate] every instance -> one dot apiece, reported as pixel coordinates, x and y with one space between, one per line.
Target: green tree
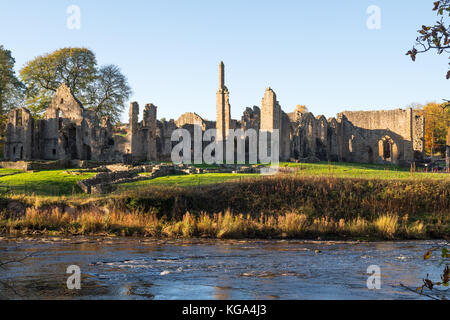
43 75
11 89
108 93
104 90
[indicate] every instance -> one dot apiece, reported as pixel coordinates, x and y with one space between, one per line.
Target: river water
210 269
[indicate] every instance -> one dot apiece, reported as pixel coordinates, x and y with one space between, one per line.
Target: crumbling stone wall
273 118
19 135
251 119
163 140
190 118
68 131
149 122
143 135
395 136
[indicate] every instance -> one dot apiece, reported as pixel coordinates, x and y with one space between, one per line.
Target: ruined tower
270 112
135 141
150 112
273 118
142 135
19 135
223 123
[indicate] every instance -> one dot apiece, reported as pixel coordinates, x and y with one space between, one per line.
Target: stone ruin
71 132
67 132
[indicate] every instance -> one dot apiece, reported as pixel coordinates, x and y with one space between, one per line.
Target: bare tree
435 37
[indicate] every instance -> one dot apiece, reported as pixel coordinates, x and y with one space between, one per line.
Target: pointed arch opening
388 150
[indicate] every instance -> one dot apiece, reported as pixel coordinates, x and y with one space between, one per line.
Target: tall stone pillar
271 118
270 111
135 143
223 123
150 114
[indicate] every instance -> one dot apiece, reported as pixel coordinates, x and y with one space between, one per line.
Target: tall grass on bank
317 196
387 225
278 206
221 225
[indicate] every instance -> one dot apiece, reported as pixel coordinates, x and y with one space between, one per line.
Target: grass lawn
359 170
43 183
189 180
339 170
6 172
389 203
59 183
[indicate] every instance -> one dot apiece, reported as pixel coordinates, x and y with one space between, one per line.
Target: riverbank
283 206
218 226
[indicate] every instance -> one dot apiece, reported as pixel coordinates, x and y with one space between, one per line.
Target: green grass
338 170
6 172
357 170
59 183
43 183
317 199
120 135
190 180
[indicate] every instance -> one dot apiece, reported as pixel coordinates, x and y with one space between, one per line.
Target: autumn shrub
387 225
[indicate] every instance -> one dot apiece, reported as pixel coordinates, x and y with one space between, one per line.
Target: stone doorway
87 152
370 155
69 135
388 150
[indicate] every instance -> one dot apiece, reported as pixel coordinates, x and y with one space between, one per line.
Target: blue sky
317 53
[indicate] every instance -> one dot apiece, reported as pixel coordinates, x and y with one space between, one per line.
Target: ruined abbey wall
71 132
19 135
403 129
67 132
142 135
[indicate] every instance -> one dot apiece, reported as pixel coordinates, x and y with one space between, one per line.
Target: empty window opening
386 149
19 118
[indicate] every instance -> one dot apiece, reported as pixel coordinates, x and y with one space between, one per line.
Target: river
123 268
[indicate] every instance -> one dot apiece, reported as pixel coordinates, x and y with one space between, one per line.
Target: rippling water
207 269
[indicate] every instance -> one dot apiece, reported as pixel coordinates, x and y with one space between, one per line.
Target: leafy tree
437 120
43 75
11 89
108 93
434 37
103 89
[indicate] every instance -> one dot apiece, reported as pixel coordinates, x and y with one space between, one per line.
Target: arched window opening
19 118
387 149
